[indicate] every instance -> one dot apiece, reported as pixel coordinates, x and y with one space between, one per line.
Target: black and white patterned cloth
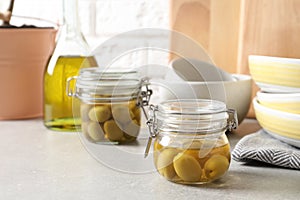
260 146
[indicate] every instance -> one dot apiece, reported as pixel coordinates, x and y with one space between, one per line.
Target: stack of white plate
277 104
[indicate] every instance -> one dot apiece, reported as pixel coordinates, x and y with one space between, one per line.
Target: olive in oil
113 121
60 110
193 165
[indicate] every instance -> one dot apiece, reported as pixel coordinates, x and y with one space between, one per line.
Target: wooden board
224 33
231 30
182 19
269 28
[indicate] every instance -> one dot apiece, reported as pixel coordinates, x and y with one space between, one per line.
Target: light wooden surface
231 30
182 19
269 28
224 33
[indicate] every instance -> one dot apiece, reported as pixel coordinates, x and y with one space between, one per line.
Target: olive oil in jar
59 108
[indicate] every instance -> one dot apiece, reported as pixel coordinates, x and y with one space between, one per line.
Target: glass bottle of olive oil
70 55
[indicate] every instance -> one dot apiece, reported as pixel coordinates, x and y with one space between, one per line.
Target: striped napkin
260 146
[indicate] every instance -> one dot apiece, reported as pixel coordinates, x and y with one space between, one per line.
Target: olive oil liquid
61 112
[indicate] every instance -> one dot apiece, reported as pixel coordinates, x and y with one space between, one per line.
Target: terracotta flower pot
24 53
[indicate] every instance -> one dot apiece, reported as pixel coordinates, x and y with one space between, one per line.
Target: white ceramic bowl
275 74
279 123
191 69
236 94
288 102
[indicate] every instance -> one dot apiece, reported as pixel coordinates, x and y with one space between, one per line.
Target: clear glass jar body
191 146
71 54
109 105
191 159
113 121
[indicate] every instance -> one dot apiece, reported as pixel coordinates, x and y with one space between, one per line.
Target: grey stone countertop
37 163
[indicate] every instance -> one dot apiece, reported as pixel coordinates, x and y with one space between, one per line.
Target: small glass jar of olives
190 145
110 104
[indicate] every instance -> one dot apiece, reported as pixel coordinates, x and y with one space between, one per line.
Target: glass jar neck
98 85
70 18
198 117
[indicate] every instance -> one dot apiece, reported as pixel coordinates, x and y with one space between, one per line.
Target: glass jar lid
191 107
192 116
96 84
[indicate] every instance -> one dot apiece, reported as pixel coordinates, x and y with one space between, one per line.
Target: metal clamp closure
144 95
233 119
144 99
152 126
152 121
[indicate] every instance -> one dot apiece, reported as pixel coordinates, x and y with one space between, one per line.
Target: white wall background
103 19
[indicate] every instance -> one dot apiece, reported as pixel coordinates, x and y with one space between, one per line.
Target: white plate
287 140
278 97
265 87
272 59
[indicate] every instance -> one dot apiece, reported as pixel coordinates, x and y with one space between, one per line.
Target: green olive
216 166
192 144
132 104
132 128
99 113
84 129
95 131
137 113
84 112
165 163
112 130
122 114
187 167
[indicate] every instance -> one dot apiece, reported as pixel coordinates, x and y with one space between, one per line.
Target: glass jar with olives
111 101
190 145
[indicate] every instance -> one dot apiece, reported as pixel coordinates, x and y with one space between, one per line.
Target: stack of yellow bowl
277 104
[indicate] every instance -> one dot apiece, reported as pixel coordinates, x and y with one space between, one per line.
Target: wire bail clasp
144 95
233 119
144 99
152 126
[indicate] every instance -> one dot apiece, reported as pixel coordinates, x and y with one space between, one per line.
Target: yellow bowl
275 74
288 102
281 123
